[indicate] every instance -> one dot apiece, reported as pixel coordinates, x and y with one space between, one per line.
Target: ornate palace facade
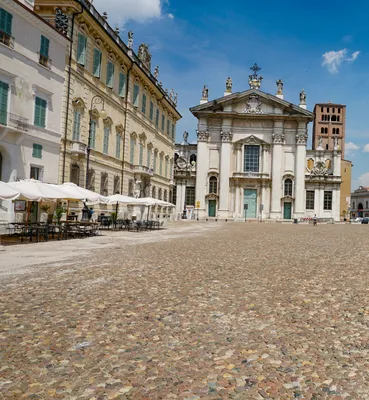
118 122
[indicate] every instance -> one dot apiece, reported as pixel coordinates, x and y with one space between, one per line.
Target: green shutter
157 119
44 49
136 91
106 140
97 63
141 154
93 135
168 127
37 151
110 74
4 90
122 85
40 112
76 125
173 131
132 152
143 106
81 49
118 145
151 110
6 21
163 122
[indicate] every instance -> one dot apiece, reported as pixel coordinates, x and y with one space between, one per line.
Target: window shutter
40 112
81 49
97 63
157 119
45 43
132 152
43 113
76 125
93 135
122 85
136 91
143 107
4 89
118 145
109 74
151 110
106 140
6 21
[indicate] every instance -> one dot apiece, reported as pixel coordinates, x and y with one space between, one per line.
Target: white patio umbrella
73 192
31 189
121 199
7 192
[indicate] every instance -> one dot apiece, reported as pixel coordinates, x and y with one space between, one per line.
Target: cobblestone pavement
232 311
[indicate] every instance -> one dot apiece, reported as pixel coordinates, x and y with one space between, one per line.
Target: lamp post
95 100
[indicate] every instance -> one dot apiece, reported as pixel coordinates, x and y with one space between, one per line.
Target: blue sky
203 42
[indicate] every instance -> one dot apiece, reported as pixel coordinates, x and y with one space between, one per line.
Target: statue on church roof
205 92
175 100
171 95
302 97
185 137
255 79
130 40
279 86
229 85
156 72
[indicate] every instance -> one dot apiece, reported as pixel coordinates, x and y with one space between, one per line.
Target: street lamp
95 100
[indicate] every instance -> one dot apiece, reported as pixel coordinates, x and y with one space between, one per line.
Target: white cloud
170 16
364 180
333 59
350 147
366 148
120 11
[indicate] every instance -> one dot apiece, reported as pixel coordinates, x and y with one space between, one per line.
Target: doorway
212 208
287 211
250 198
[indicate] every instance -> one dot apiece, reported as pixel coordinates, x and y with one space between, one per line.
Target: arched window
159 194
322 130
104 184
326 131
74 174
333 118
339 111
116 184
328 109
193 158
326 146
165 195
213 185
1 166
338 119
337 131
130 188
154 192
322 117
333 110
334 131
288 187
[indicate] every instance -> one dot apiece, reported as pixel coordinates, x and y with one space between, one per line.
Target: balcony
6 39
14 121
45 61
250 175
78 148
141 169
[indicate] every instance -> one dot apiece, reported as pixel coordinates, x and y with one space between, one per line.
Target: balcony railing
250 175
14 121
6 39
45 61
78 148
143 170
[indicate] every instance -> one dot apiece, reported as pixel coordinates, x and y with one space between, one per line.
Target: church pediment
251 102
251 140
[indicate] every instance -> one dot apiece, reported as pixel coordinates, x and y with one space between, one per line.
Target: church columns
225 164
278 139
201 170
300 161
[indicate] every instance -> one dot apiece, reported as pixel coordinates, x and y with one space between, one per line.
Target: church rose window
251 158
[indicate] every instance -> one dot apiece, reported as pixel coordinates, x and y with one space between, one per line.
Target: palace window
36 173
160 194
143 105
81 49
149 158
161 166
151 115
74 173
44 51
310 199
91 180
213 185
166 168
155 161
104 184
173 131
288 187
110 74
190 196
96 69
118 145
37 151
5 27
333 118
4 91
132 151
106 140
251 158
339 111
40 112
168 127
157 119
162 122
153 192
116 184
122 85
136 92
322 130
76 125
328 200
174 195
140 162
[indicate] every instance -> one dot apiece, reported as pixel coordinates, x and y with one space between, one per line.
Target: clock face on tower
181 163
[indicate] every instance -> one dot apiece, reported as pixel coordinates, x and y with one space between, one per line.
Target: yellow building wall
346 169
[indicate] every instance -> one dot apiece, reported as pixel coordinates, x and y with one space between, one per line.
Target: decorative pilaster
300 164
225 165
239 158
201 170
278 141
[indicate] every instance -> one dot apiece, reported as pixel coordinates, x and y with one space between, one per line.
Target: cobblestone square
196 311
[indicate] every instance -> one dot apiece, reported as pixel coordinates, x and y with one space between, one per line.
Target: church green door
287 211
212 208
250 198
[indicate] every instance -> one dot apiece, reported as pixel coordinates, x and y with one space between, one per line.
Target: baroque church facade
253 162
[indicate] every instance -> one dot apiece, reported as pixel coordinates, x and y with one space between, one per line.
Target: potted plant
44 208
59 214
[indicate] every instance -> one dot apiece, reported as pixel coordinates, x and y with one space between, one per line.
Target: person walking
315 220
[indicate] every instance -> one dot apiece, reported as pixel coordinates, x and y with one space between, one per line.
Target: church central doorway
250 198
212 208
287 211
